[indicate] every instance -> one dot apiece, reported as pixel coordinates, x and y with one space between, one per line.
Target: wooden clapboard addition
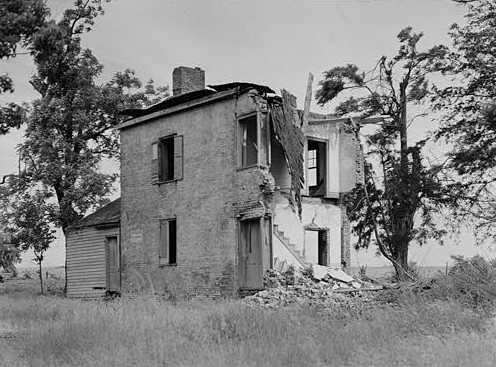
93 253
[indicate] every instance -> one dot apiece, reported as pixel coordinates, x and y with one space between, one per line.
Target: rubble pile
318 285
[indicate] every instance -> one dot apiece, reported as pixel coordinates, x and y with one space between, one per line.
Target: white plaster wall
341 153
322 215
312 247
280 252
330 133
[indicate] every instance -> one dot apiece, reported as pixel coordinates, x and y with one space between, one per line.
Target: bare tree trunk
41 275
402 224
401 261
403 136
67 219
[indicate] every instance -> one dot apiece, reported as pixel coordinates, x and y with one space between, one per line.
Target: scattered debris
318 285
320 272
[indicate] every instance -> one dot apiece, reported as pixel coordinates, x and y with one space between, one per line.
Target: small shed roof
106 215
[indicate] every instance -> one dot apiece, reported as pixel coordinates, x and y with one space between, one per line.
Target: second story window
312 167
167 159
248 141
316 167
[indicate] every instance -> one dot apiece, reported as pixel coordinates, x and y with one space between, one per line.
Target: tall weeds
147 332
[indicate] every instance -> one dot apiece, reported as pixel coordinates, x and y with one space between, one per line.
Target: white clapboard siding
86 262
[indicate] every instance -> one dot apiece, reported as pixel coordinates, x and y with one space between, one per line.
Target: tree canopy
468 123
69 128
399 188
19 21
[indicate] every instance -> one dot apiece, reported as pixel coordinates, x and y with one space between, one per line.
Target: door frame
107 263
328 242
241 258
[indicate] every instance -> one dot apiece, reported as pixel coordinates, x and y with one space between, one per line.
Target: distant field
381 272
27 281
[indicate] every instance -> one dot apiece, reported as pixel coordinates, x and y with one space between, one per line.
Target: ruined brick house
219 184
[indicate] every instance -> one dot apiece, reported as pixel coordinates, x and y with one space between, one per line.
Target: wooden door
251 267
113 264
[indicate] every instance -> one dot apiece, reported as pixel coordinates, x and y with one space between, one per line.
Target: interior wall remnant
279 167
311 247
286 125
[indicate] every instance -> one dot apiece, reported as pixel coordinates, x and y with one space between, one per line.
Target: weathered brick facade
203 201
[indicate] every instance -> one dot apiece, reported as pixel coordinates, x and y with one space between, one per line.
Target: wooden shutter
178 157
155 163
163 240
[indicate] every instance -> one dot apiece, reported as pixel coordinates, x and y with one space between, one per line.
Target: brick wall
345 238
203 202
186 79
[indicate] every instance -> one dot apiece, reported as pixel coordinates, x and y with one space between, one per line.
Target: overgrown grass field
407 329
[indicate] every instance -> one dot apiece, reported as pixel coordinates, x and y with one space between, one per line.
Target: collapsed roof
186 97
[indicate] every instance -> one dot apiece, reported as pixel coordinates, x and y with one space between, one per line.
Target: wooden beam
308 101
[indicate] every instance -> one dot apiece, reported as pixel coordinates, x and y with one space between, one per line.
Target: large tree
19 21
467 102
395 203
70 127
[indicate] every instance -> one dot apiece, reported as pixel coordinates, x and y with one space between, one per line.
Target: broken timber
286 124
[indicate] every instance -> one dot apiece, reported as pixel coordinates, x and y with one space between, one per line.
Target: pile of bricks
302 288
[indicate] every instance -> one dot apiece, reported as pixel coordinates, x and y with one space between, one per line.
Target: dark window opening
316 167
166 159
322 248
248 141
172 242
168 242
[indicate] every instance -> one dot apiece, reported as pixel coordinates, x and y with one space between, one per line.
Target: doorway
250 254
113 254
317 246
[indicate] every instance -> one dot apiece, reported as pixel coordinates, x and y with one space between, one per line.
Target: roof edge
182 107
103 225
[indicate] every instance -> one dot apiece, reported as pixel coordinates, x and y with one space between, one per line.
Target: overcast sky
269 42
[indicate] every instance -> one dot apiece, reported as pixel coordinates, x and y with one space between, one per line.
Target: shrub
470 281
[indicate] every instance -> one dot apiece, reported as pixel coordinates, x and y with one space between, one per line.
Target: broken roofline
223 93
190 100
178 108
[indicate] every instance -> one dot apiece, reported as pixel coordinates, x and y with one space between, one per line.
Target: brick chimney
186 79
